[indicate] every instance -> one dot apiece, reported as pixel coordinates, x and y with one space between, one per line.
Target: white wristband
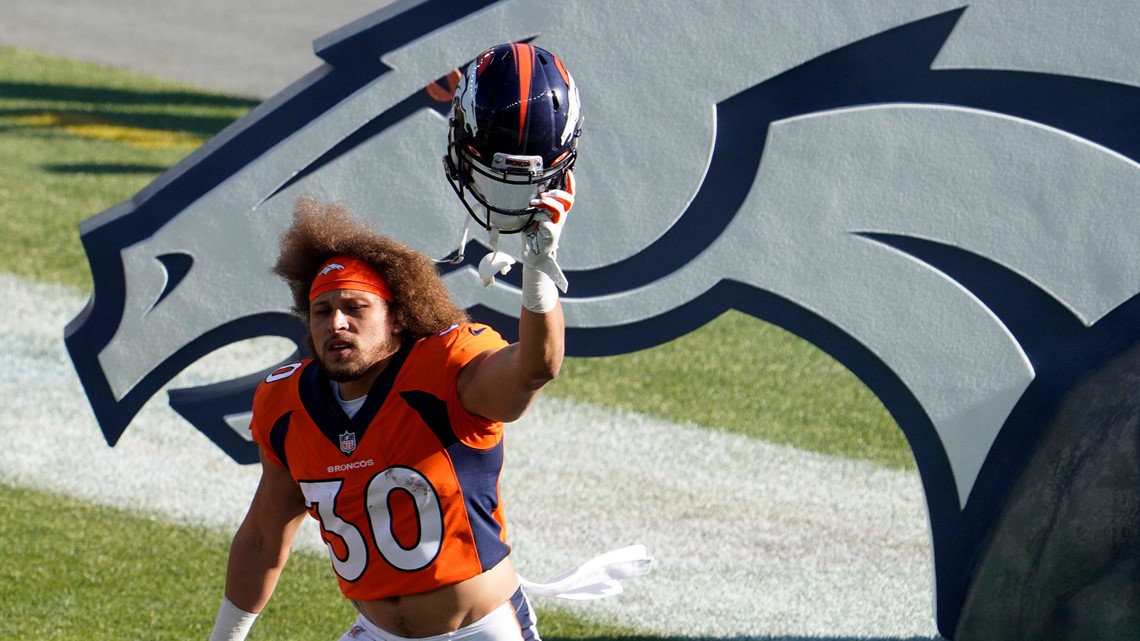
539 292
232 624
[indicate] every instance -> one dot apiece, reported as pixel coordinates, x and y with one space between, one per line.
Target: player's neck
352 390
350 406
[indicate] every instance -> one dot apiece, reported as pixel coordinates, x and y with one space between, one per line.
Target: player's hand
540 241
557 202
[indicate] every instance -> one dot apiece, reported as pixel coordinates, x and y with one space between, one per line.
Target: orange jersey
407 491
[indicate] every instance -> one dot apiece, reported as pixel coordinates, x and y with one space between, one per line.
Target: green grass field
76 139
69 570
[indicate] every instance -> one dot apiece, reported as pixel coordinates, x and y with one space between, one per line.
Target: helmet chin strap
456 257
493 237
495 263
493 233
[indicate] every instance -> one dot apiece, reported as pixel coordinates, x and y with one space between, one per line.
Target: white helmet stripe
572 110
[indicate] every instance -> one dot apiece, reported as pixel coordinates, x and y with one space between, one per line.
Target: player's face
353 335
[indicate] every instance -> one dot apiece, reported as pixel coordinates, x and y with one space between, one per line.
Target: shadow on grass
158 110
57 92
106 168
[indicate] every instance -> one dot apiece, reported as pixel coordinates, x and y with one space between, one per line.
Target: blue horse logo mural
957 237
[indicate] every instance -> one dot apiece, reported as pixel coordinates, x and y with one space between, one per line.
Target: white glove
540 241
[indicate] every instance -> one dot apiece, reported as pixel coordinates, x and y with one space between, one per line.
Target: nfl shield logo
348 442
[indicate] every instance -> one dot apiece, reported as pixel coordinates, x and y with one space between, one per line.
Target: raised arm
501 385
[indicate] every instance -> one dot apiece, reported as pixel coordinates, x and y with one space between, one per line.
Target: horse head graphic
960 237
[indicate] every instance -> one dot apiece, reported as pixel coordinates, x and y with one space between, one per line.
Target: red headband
346 272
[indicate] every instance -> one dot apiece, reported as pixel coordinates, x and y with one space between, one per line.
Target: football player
390 435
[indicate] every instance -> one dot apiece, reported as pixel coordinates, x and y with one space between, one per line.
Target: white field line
749 539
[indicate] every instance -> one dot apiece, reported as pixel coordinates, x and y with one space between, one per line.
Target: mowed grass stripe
94 128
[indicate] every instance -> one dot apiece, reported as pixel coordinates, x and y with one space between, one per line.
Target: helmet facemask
499 195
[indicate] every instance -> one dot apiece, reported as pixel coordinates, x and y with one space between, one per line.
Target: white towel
598 578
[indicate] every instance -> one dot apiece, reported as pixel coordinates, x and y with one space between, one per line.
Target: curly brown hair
421 302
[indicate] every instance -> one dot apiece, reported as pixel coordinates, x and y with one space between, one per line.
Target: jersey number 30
322 496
